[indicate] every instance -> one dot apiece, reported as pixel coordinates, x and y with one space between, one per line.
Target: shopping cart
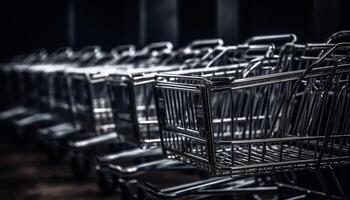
18 79
37 91
286 121
137 110
62 104
5 70
90 107
60 90
13 89
22 86
340 36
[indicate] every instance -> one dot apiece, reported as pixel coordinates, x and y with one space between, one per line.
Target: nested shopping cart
61 93
18 79
61 96
101 140
136 113
293 119
37 91
5 72
90 107
24 87
12 82
138 109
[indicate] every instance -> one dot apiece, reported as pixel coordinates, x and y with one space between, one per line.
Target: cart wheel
106 182
55 151
80 165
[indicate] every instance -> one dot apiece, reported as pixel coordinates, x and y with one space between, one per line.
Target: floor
26 174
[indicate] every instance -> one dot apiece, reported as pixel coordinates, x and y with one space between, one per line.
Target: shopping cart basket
251 132
280 122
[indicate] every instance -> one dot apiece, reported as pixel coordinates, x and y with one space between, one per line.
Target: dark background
29 25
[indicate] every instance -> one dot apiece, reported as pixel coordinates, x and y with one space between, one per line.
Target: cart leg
323 183
336 180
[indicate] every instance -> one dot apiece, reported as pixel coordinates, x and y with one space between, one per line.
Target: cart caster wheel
55 152
106 182
80 166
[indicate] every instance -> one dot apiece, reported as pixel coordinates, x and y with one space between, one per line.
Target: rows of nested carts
240 120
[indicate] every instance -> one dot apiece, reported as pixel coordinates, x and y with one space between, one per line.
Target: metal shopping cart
5 70
22 87
286 121
13 87
17 75
123 83
62 104
37 91
90 107
139 110
61 93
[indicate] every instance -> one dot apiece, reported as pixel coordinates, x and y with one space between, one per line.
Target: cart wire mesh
292 118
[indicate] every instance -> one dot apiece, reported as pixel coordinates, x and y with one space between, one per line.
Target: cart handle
338 35
87 53
221 80
62 50
61 53
324 56
226 50
89 49
123 49
210 43
256 63
199 45
40 52
287 99
158 46
289 38
38 55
